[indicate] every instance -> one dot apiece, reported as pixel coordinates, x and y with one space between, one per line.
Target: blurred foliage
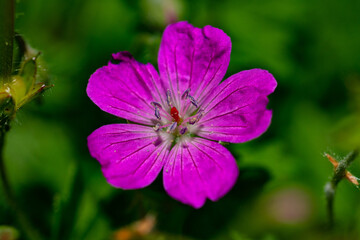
312 49
8 233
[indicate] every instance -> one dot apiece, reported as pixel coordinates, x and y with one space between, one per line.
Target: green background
311 47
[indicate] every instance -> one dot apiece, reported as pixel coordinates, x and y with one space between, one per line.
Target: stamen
193 120
157 127
155 104
185 94
172 127
193 101
183 130
174 123
168 98
157 108
157 113
196 118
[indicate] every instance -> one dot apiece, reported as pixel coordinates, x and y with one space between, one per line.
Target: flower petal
194 58
236 111
131 156
126 89
198 169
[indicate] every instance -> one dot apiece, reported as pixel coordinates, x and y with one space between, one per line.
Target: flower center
177 116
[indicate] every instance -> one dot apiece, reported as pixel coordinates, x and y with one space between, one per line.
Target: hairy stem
330 187
7 9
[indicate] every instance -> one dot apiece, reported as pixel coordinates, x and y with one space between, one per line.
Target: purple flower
177 114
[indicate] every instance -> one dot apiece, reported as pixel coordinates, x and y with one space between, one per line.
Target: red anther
175 114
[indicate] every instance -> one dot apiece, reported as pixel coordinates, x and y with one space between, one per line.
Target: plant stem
330 187
21 217
7 9
7 18
330 194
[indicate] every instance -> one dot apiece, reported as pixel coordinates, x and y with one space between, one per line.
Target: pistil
175 114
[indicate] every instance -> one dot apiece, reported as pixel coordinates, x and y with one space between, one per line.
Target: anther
185 94
157 107
172 127
193 120
193 101
196 118
157 113
183 130
156 104
168 97
157 127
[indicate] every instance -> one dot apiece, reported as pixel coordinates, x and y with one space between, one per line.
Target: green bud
24 84
23 87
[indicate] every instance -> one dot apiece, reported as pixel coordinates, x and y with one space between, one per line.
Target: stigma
175 114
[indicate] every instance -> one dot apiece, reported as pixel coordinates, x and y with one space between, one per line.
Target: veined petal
126 89
195 58
131 156
236 111
198 169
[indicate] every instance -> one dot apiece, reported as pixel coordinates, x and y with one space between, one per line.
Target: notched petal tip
119 57
181 24
210 32
193 57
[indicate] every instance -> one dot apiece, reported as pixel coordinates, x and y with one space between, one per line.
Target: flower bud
23 87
